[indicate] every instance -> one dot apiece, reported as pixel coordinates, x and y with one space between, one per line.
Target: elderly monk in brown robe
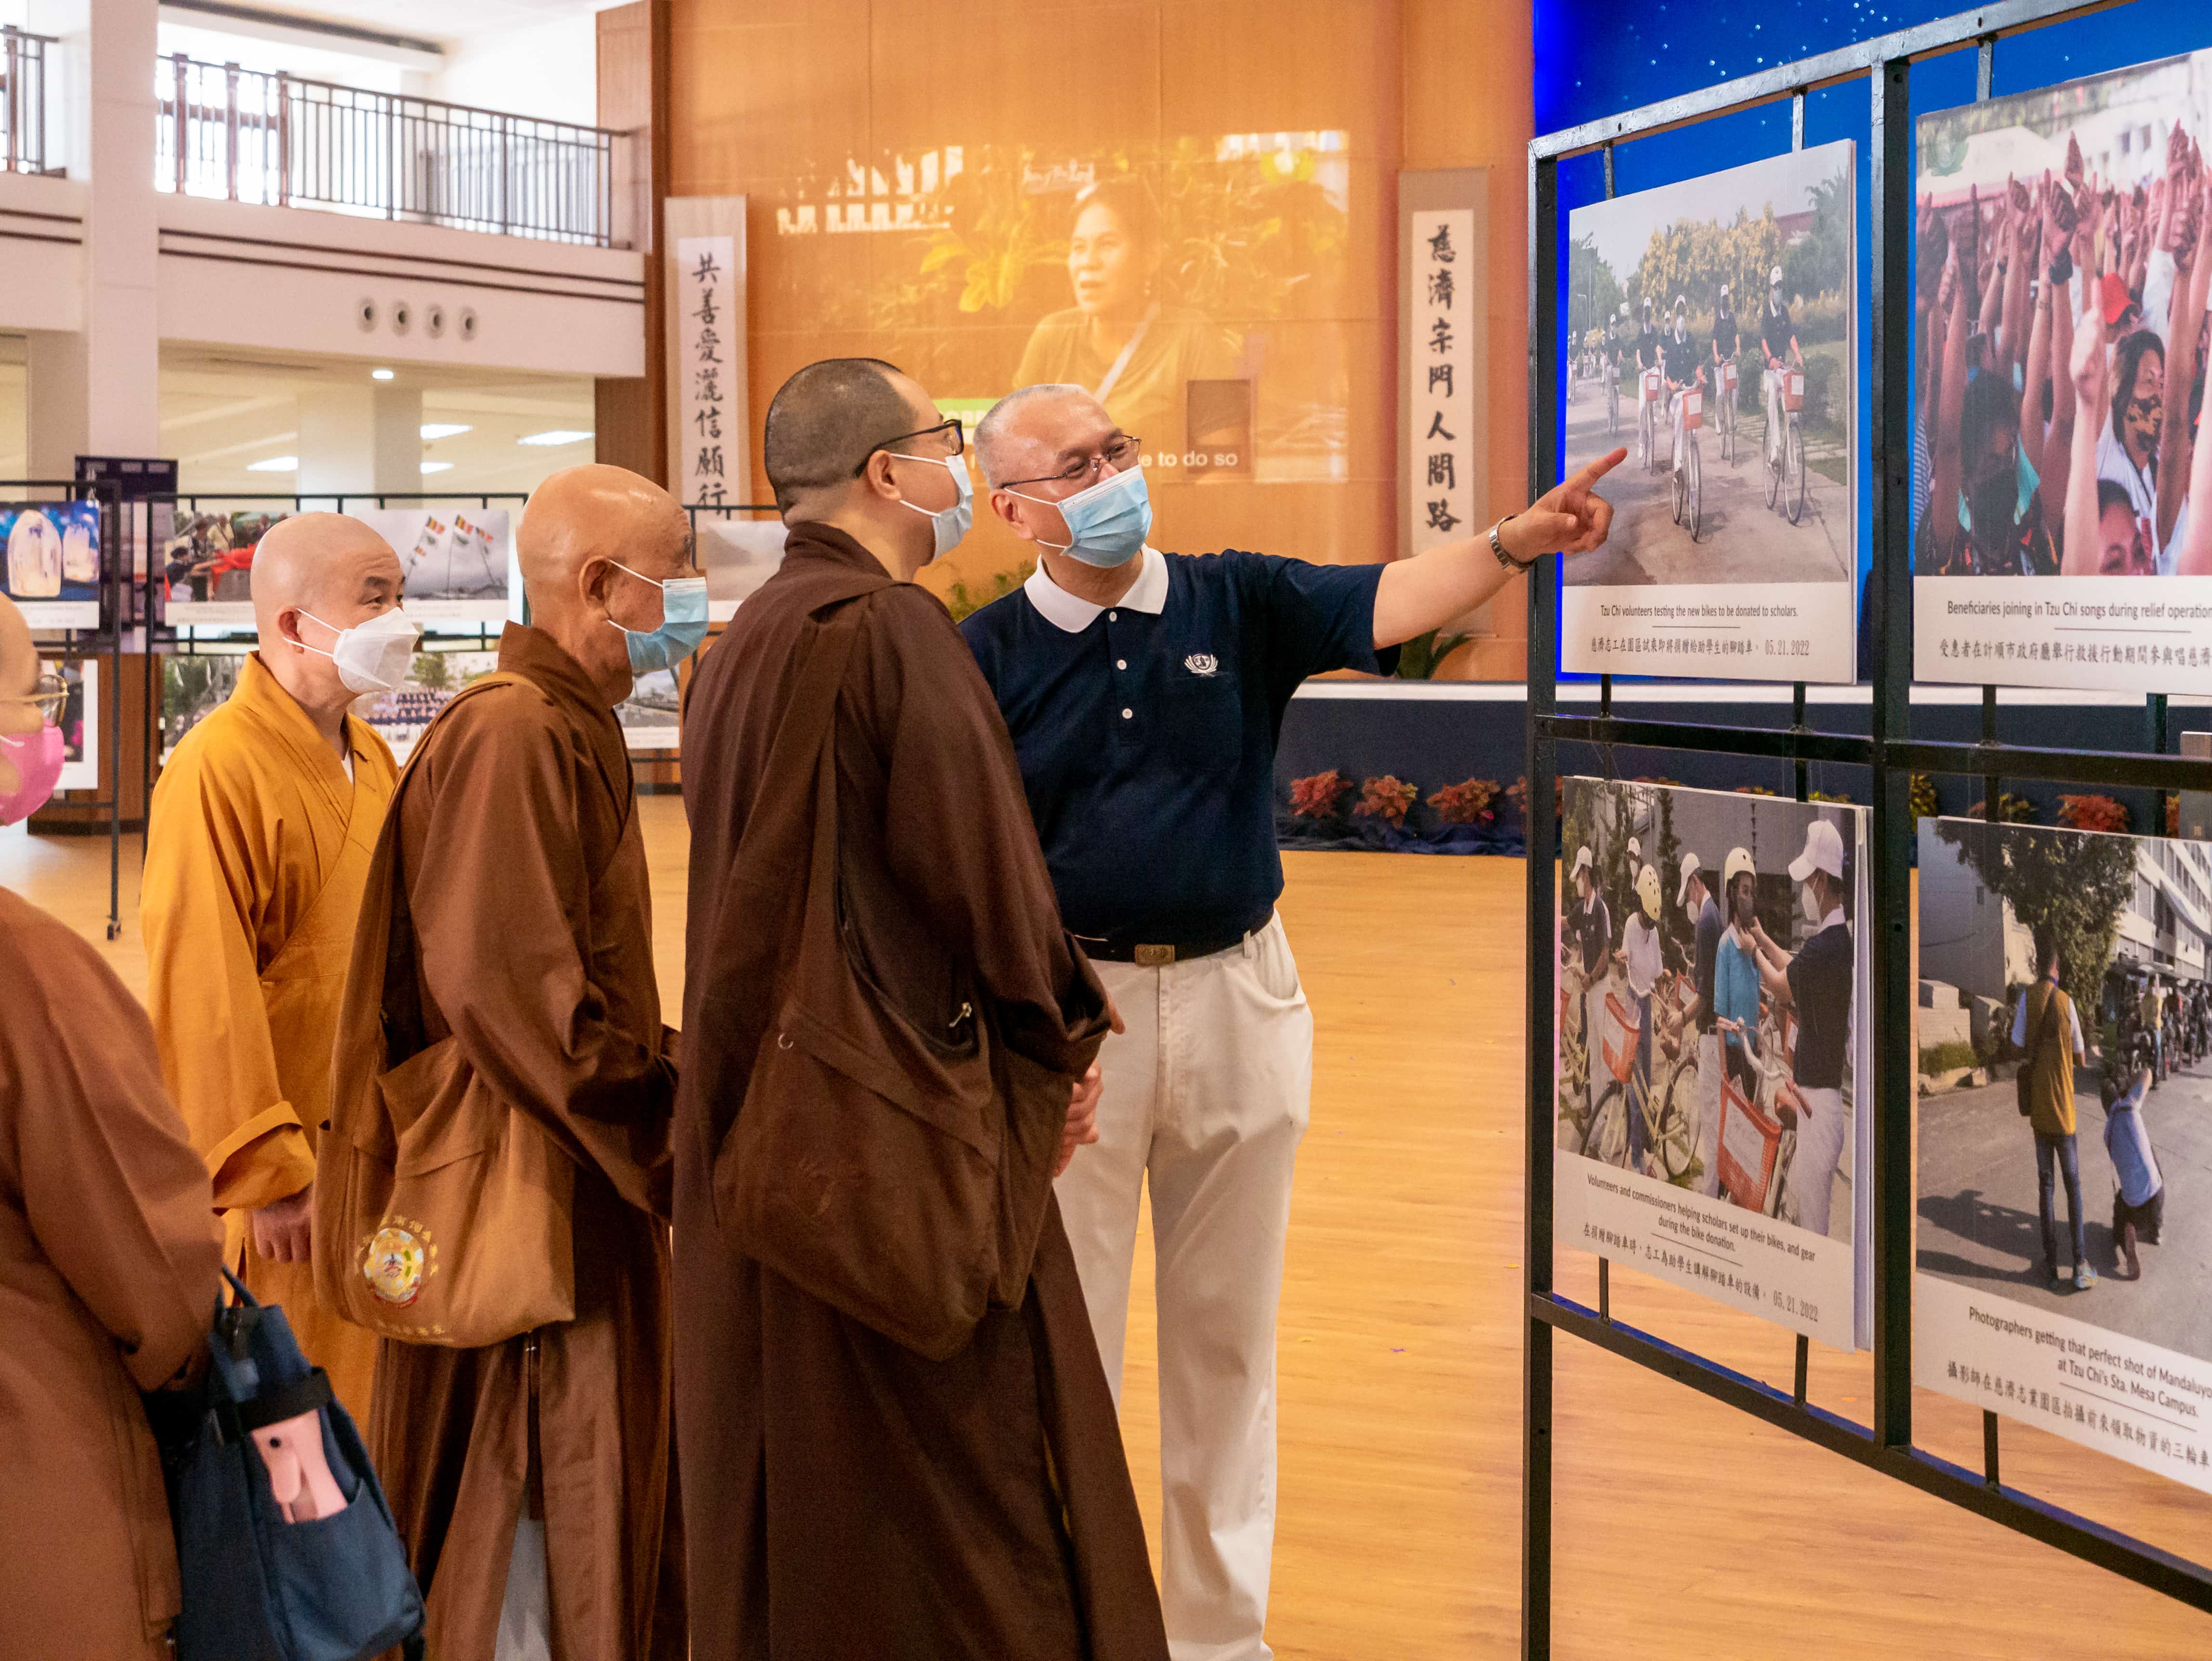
845 1496
533 1477
256 846
107 1275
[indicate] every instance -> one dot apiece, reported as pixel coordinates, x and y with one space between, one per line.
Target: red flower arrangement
1320 795
1471 801
1386 799
1517 794
2093 814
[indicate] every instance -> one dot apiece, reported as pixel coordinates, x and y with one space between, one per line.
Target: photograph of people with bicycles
2064 264
1711 967
2065 1074
1734 536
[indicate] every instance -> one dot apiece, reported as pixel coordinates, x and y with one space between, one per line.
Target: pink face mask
37 759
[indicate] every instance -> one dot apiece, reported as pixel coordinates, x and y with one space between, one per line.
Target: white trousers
525 1617
1820 1130
1206 1095
1709 1114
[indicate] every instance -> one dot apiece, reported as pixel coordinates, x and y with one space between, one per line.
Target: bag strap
404 1028
802 744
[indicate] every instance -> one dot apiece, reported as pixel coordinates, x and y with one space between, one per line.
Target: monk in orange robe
257 850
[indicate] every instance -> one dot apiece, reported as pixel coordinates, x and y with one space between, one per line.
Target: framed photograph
2065 1044
80 724
2062 267
1711 1054
52 569
1713 329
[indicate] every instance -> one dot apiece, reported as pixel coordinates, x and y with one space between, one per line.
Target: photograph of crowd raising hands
2065 254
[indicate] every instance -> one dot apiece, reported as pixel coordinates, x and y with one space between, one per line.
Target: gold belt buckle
1155 957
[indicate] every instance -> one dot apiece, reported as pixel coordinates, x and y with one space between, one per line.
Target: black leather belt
1156 954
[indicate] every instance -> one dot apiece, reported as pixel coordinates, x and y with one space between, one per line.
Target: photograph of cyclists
1711 328
1712 966
2062 267
2065 1049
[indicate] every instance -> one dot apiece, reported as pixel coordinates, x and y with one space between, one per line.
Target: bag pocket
876 1197
342 1582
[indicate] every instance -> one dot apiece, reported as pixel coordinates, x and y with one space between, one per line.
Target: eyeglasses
48 694
951 426
1120 452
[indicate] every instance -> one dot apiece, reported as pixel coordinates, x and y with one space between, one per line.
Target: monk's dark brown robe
525 876
843 1496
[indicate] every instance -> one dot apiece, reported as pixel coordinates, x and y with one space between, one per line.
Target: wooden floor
1682 1529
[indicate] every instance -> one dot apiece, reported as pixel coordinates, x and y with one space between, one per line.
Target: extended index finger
1594 470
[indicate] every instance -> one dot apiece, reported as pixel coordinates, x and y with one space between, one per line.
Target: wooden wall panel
813 106
1470 103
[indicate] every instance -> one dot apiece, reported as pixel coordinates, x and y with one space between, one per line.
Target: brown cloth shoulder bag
872 1162
449 1220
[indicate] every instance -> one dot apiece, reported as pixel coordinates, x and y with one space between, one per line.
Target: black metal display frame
106 640
1891 752
164 639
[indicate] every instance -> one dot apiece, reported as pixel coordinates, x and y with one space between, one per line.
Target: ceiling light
275 465
445 429
380 374
437 467
556 435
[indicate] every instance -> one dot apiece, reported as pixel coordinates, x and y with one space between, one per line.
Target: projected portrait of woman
1122 338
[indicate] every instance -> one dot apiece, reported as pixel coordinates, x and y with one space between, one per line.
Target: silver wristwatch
1497 548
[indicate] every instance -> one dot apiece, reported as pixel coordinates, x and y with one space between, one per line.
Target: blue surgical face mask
948 525
1106 523
683 624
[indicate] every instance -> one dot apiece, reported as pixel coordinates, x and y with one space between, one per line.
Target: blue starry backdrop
1601 57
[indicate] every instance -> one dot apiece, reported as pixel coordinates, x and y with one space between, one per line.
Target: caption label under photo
1731 631
2101 634
1791 1276
2121 1396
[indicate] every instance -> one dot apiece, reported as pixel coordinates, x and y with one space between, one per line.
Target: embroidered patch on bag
1202 663
397 1260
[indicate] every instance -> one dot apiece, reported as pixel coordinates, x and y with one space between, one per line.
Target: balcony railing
23 101
280 140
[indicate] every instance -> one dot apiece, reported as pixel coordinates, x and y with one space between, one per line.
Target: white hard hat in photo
1582 861
1774 276
1647 890
1739 865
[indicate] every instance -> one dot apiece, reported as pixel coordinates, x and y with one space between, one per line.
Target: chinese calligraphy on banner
710 438
1440 498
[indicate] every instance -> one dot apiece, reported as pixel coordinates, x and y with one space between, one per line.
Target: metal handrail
284 141
23 100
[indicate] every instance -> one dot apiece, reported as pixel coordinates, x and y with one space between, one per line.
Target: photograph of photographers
2064 257
2065 1059
1711 971
1711 326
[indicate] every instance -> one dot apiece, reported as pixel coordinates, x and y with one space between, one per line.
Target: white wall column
98 393
360 440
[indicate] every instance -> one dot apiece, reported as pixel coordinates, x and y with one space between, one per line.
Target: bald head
321 564
595 543
596 512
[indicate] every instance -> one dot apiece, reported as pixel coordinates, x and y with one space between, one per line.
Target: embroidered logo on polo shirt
1202 663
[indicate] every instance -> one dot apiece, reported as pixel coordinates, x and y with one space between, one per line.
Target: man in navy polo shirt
1143 692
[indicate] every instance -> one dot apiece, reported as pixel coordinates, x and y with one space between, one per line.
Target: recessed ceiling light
275 465
437 467
445 429
556 435
380 374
